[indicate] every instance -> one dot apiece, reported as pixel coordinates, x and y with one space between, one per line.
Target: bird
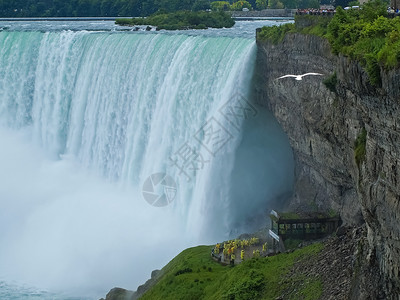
298 77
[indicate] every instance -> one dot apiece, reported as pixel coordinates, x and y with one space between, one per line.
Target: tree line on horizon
136 8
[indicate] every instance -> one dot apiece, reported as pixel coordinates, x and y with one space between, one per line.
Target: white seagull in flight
298 77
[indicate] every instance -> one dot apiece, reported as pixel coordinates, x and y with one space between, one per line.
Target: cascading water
86 118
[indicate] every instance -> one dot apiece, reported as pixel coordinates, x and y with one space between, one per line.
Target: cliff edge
346 144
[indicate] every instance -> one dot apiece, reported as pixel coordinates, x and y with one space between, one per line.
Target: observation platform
301 227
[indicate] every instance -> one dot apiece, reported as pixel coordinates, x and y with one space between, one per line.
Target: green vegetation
261 4
291 244
310 24
331 82
275 34
359 147
135 8
92 8
220 6
257 278
332 213
310 288
80 8
182 20
114 8
365 35
239 5
275 4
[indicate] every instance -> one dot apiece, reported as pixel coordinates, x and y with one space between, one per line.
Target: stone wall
322 126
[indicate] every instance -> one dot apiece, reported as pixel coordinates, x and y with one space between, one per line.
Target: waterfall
95 124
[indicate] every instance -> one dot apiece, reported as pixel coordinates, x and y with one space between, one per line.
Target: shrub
183 271
331 82
275 34
359 147
291 243
249 287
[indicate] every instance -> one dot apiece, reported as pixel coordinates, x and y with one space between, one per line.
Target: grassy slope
194 275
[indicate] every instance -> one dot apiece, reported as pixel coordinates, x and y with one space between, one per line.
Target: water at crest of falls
87 117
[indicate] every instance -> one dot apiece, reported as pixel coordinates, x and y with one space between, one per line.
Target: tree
220 5
275 4
342 3
201 5
373 9
308 4
148 8
239 5
261 4
290 3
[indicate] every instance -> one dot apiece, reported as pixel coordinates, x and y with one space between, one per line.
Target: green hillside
194 275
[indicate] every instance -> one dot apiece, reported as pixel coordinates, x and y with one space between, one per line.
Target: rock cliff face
322 125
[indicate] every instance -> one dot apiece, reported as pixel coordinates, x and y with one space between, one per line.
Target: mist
65 229
263 173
